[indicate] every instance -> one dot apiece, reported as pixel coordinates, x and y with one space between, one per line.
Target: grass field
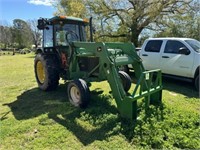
33 119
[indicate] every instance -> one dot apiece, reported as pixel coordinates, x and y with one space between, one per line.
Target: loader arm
112 55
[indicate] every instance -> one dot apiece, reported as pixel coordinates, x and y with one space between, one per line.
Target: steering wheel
71 36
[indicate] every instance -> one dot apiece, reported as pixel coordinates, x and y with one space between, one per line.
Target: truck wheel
46 72
196 82
126 80
78 93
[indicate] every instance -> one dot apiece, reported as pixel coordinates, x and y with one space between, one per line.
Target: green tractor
68 55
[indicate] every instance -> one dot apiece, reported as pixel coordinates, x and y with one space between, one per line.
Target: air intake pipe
91 30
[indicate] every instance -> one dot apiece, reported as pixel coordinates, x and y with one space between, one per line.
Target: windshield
68 33
194 44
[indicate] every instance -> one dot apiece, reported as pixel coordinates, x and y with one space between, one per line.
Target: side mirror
41 24
184 51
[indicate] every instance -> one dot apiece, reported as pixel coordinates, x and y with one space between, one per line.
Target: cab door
174 63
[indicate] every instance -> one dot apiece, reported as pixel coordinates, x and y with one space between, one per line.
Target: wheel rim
75 94
40 72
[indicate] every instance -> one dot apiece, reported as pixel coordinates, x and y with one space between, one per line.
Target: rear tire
126 80
196 82
46 72
78 93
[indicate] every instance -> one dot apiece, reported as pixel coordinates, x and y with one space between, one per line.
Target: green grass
33 119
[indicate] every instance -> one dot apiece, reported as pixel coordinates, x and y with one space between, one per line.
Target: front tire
46 72
78 93
126 80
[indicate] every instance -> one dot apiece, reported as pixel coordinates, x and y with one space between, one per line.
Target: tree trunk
134 39
134 34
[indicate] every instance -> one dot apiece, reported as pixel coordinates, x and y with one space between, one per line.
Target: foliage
35 32
22 34
6 36
74 8
117 20
183 25
137 15
33 119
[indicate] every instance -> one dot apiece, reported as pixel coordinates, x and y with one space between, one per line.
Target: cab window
66 33
48 36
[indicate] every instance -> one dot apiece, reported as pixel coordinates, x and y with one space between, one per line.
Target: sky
25 10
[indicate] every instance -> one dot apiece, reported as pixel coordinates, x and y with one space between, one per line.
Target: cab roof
68 18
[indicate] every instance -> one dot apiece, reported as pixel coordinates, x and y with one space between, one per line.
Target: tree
74 8
128 18
22 33
35 32
136 15
6 36
186 25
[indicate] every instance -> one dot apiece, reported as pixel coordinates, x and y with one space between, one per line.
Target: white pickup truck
177 57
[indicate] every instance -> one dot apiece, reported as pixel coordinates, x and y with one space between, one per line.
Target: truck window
153 46
173 46
194 44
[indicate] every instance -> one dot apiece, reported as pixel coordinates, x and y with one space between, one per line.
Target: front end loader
67 54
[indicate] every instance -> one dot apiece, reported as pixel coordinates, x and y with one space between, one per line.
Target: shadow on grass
94 123
182 87
177 86
100 117
99 121
4 116
35 102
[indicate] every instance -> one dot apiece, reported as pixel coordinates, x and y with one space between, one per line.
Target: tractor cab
58 34
60 31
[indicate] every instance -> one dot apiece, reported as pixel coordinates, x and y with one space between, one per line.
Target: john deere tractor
67 54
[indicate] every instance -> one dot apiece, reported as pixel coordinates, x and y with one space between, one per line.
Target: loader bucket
147 87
